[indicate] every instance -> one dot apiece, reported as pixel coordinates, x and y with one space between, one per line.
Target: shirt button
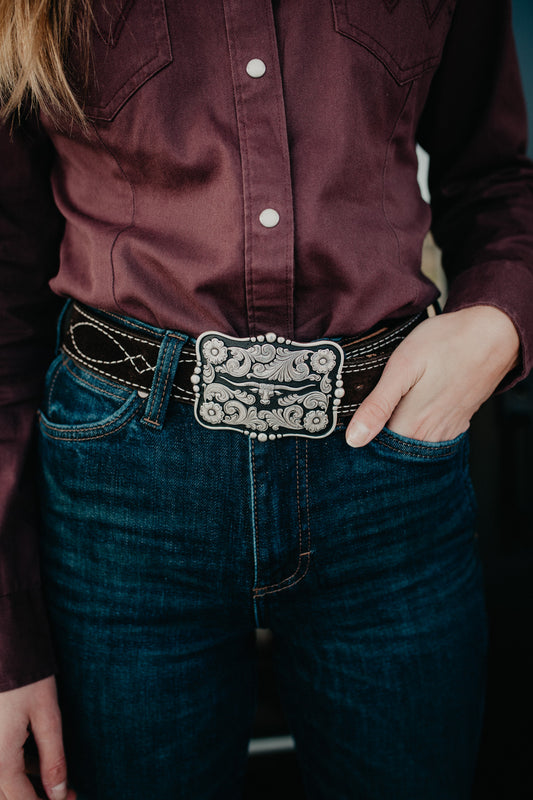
269 218
256 68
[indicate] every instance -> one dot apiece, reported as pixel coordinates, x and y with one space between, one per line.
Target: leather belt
126 351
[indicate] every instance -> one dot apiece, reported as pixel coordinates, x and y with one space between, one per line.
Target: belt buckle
267 386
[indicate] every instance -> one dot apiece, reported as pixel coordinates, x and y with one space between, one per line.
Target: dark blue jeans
165 547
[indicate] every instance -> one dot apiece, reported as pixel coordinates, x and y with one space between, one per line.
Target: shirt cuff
26 653
507 286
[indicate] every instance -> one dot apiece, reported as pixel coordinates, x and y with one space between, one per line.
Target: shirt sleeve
30 232
474 127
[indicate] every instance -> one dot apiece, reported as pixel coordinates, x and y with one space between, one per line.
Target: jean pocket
130 43
78 405
419 450
407 36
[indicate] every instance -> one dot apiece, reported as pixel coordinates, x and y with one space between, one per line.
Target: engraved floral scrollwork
323 361
285 366
212 412
315 421
217 391
238 414
214 351
271 386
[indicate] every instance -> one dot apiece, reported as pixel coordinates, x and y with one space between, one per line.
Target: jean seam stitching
287 583
253 483
295 577
298 501
155 386
423 456
174 345
419 450
154 420
54 379
307 508
72 433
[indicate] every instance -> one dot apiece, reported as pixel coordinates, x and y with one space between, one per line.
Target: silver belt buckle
267 387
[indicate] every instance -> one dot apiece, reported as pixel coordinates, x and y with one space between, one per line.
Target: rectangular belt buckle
266 386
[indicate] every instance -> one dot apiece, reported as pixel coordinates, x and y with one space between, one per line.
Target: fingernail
59 792
357 434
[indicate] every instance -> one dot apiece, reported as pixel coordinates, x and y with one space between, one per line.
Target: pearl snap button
269 218
256 68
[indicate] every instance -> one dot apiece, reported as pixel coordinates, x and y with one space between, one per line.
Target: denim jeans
164 547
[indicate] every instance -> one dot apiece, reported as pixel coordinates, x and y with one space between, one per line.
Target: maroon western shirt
252 167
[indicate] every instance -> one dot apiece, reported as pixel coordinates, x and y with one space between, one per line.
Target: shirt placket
266 176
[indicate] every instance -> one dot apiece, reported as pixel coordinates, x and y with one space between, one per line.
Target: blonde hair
36 37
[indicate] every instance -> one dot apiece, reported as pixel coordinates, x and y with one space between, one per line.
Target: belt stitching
98 324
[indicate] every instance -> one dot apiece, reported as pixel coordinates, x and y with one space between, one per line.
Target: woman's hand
35 705
439 376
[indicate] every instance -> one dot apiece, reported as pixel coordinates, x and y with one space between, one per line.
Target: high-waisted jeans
165 547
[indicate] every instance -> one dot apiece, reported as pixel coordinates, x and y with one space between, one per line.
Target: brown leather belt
126 351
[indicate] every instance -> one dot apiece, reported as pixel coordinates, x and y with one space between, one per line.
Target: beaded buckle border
267 386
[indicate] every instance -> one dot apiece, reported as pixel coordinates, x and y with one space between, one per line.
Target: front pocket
78 405
418 450
129 45
407 36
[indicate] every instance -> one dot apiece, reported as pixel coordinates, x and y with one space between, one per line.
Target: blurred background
502 471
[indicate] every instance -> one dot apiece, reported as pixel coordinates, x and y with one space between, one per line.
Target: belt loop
165 370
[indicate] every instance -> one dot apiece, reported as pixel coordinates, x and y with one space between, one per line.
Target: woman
230 201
